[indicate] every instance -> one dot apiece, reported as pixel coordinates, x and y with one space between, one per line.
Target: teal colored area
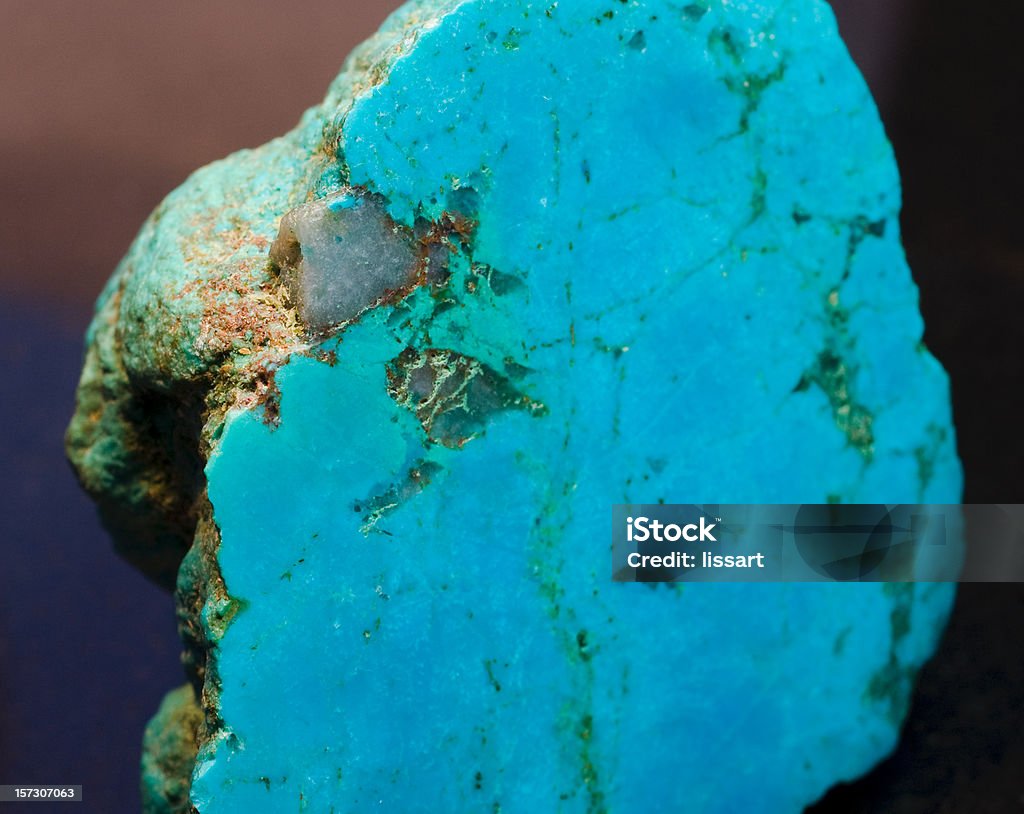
658 258
473 637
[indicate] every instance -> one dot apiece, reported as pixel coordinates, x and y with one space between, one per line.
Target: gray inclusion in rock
342 254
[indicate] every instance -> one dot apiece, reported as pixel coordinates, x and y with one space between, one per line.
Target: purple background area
87 646
108 105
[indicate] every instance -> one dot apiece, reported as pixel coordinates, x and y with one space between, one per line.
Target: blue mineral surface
380 381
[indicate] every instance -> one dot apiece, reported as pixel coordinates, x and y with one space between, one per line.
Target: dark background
106 106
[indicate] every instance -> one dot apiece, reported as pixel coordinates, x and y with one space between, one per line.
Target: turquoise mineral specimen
367 394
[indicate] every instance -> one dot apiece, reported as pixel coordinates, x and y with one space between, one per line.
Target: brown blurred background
106 106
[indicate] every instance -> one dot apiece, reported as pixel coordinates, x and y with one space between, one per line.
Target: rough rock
608 252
